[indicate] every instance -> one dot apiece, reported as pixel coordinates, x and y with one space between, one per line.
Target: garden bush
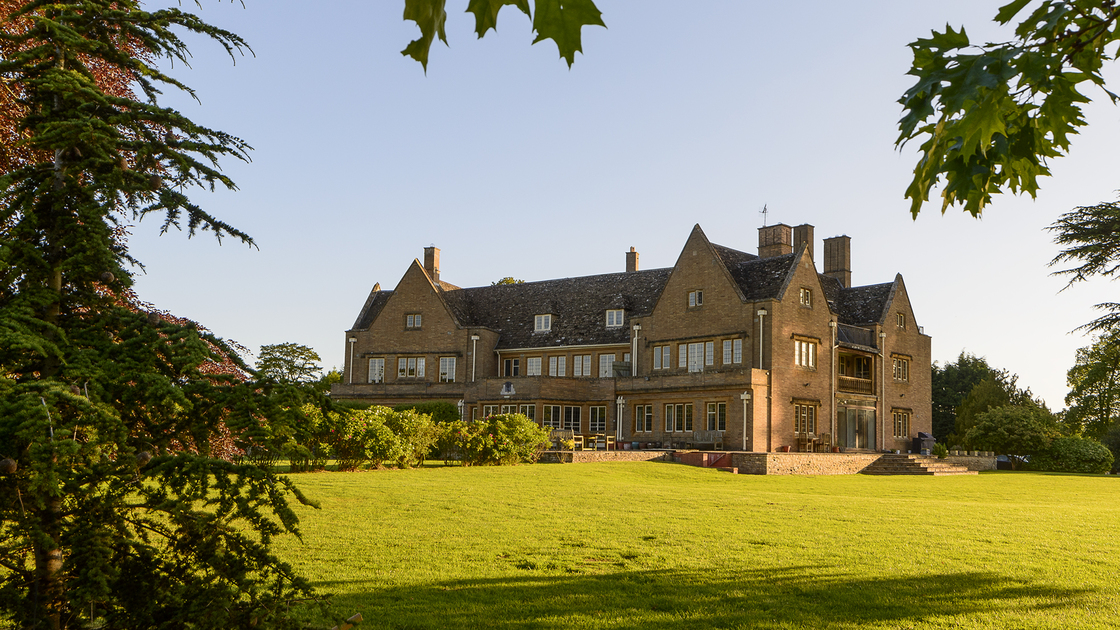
497 440
441 411
415 433
1074 454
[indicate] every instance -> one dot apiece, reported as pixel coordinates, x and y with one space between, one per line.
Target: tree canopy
561 21
289 363
1094 387
1014 430
990 116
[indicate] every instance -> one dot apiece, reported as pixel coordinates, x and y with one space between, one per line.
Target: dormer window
614 318
695 298
542 323
412 320
807 298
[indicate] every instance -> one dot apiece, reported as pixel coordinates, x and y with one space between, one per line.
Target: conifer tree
112 511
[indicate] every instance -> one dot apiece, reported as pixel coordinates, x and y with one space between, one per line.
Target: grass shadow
792 597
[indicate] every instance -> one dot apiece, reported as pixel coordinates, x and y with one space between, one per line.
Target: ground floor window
509 409
901 423
489 410
410 367
529 411
855 427
377 370
598 419
572 420
717 416
678 417
804 418
643 418
447 369
552 416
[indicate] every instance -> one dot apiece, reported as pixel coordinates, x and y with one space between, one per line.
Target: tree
507 280
289 363
951 383
112 511
1094 382
990 116
558 20
1014 430
1092 237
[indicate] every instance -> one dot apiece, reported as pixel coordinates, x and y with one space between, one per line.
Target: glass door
855 427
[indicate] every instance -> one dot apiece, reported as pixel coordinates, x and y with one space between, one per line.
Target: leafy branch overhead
558 20
989 117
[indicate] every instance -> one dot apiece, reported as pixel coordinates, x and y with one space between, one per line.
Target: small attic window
615 317
695 298
412 320
902 320
542 323
807 298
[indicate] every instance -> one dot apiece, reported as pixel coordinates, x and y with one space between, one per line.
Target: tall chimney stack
631 261
431 262
775 240
803 234
838 259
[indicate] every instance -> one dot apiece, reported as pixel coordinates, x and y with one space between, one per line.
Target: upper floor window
901 368
606 365
533 366
557 365
614 318
542 323
581 365
807 297
412 320
902 320
695 298
805 353
662 355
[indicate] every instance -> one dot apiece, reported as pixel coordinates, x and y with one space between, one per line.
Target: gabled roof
758 278
578 307
372 308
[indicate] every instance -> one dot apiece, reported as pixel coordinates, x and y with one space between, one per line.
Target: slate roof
578 307
863 305
760 278
372 308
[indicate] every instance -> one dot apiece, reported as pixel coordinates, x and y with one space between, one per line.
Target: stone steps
892 464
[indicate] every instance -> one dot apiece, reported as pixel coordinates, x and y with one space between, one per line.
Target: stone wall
618 456
973 462
802 463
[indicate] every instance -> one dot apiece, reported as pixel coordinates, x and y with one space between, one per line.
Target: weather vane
764 212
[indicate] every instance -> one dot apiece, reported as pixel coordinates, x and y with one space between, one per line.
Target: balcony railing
855 385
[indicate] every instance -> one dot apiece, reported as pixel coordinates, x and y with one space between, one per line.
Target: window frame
606 365
806 297
542 323
805 354
371 371
411 367
447 375
805 415
600 421
695 298
901 418
531 409
901 369
616 318
717 416
413 321
533 366
552 416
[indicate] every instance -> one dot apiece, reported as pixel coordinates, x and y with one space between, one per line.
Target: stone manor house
725 350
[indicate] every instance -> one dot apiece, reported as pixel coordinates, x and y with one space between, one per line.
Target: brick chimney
803 234
431 262
631 261
775 240
838 259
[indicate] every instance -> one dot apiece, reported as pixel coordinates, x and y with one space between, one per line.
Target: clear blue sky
514 165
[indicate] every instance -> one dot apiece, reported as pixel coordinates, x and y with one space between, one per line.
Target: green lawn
637 545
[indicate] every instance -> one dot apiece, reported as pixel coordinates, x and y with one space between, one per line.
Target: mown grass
636 545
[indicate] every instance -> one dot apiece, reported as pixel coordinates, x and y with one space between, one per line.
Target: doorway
855 427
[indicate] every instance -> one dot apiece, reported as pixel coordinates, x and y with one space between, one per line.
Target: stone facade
724 350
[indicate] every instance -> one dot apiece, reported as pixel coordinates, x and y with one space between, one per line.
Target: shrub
1111 440
498 440
1013 430
415 432
1074 454
441 411
940 451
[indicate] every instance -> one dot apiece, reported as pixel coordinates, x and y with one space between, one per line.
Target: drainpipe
351 377
634 351
746 398
832 404
621 402
474 354
883 387
761 316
